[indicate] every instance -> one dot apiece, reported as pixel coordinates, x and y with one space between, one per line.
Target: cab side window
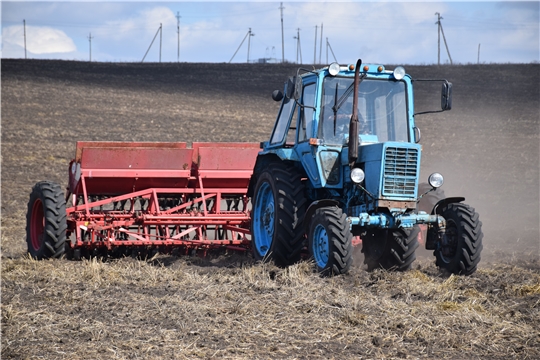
283 121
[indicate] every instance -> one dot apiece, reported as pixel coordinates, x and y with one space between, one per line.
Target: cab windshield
382 110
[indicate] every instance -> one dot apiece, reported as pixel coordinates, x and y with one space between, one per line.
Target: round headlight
435 180
333 69
399 73
357 175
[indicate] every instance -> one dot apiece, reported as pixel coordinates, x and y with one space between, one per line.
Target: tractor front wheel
330 241
390 249
460 248
279 206
46 221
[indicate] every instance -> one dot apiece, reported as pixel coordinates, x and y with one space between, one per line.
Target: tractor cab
313 122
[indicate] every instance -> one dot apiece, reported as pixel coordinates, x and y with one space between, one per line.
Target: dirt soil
487 147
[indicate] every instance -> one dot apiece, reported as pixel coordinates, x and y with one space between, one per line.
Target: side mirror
289 92
446 96
277 95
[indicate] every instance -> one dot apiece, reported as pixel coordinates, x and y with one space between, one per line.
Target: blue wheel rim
321 246
263 219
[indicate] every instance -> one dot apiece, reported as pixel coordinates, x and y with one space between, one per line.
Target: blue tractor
343 161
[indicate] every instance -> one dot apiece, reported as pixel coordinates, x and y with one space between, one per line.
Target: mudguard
442 203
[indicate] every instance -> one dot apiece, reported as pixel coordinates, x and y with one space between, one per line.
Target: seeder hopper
124 197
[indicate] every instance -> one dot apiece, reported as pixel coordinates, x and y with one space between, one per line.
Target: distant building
267 61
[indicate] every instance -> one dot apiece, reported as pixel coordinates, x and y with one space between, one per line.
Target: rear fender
261 163
437 209
313 207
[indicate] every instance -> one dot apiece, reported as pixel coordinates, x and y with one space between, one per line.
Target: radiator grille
400 172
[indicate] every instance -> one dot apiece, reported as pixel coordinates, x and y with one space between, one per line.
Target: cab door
306 130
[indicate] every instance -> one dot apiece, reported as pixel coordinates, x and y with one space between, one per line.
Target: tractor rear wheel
390 249
46 221
279 206
459 252
330 241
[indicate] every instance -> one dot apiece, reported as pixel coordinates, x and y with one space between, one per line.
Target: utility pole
247 35
250 34
438 23
154 39
439 18
315 51
446 45
90 37
298 46
24 26
282 35
320 46
178 32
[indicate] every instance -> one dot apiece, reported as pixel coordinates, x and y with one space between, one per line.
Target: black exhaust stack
353 125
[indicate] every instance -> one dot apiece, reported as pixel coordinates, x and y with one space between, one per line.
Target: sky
394 32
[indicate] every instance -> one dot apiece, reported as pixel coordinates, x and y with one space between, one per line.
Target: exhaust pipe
353 125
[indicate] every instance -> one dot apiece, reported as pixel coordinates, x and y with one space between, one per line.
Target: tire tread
399 251
469 228
54 213
340 237
289 234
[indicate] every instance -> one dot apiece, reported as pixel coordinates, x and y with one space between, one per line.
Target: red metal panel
135 173
135 158
222 166
119 144
196 145
217 158
112 168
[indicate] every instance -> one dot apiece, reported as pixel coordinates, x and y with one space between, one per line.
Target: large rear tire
459 252
390 249
279 207
46 221
330 241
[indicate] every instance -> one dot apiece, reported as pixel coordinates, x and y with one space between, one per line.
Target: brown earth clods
487 147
